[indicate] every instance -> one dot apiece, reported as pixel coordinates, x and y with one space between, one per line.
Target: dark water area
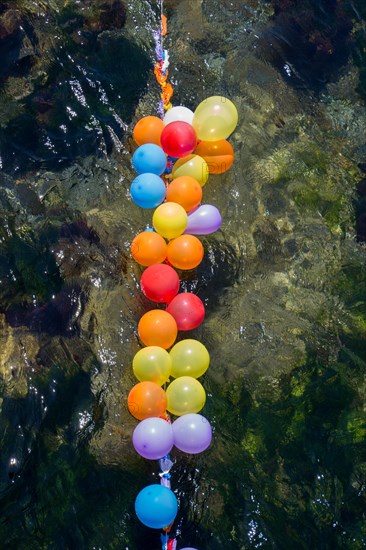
283 281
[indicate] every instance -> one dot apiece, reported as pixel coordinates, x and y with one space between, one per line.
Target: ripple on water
283 281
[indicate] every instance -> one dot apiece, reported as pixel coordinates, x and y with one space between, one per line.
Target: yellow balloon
170 220
152 364
192 165
215 118
189 358
185 395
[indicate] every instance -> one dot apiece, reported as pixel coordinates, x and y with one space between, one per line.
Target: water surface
283 281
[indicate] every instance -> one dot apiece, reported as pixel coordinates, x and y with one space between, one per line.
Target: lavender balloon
192 433
153 438
204 220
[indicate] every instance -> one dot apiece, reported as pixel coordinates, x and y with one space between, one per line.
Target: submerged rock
17 43
308 42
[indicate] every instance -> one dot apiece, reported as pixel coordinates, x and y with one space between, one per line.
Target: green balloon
189 358
152 364
215 118
185 395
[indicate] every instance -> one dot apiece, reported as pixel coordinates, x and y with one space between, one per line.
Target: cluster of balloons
153 366
190 146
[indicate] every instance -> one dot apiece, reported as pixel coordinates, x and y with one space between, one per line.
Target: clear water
283 281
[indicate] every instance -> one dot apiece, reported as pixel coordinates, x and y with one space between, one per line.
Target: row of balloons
195 145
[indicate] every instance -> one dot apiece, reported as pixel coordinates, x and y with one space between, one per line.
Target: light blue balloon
149 158
148 190
156 506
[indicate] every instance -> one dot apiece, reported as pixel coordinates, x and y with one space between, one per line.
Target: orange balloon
146 399
148 130
149 248
185 252
158 328
186 191
219 155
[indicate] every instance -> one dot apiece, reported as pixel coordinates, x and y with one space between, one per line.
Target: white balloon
182 114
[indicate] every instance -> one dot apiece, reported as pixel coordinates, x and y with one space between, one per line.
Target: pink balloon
187 310
178 139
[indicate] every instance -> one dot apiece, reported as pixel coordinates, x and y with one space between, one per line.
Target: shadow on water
67 113
308 42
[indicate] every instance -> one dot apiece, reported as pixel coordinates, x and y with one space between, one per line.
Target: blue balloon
148 190
156 506
149 158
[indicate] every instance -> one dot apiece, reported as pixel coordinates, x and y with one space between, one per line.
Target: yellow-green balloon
215 118
185 395
152 364
170 220
192 165
189 358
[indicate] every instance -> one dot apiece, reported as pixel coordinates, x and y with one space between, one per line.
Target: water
283 281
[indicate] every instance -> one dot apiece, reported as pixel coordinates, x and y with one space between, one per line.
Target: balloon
178 113
149 158
156 506
146 399
157 328
192 433
188 548
148 190
189 358
186 191
204 220
185 252
148 130
170 220
185 395
187 309
153 438
148 248
160 282
152 364
191 165
219 155
215 118
178 139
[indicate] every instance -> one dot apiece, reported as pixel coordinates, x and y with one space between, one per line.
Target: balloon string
161 74
161 66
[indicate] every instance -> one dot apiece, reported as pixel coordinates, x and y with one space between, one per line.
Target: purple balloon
204 220
192 433
153 438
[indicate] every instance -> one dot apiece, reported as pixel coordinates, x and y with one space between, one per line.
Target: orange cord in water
167 94
161 72
164 25
160 77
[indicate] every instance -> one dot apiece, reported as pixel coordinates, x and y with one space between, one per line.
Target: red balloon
178 139
160 283
187 310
